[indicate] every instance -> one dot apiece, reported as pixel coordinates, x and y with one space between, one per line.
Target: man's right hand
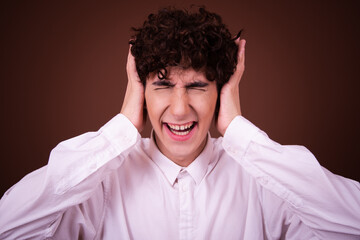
133 104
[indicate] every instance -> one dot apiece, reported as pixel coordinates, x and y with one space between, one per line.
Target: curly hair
175 37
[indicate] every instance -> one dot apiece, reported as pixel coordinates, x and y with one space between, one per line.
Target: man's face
181 109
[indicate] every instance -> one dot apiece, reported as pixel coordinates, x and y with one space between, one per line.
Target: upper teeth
180 127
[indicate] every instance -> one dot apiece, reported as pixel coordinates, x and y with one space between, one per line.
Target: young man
183 69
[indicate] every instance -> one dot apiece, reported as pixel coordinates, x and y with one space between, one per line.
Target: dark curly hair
197 40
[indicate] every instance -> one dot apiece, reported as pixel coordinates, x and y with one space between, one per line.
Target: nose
179 104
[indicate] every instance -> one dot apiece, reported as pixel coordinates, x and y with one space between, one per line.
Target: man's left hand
229 95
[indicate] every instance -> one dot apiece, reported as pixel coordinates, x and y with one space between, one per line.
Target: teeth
180 133
181 130
180 127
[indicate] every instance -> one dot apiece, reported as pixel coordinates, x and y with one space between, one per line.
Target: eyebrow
196 84
163 83
166 83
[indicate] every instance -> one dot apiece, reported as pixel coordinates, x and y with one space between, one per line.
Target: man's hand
229 95
133 105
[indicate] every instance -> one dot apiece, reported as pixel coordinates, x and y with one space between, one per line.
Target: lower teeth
180 133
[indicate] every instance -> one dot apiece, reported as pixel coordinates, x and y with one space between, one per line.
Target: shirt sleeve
326 203
32 208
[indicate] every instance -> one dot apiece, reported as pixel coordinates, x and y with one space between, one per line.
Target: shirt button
184 188
265 180
232 150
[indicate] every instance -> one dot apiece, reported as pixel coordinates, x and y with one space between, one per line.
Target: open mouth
182 129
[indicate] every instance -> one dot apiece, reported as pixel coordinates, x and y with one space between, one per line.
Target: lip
180 138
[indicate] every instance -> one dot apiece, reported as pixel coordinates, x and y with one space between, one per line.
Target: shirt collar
170 169
197 169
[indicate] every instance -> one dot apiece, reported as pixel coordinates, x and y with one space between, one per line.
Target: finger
241 55
130 59
236 77
241 51
131 67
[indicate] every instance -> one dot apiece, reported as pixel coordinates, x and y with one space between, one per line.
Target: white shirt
112 184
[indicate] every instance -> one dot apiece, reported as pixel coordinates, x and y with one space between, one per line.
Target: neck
179 159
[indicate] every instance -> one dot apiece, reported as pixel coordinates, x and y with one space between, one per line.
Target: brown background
63 73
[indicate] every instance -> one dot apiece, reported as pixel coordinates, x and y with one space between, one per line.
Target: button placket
186 206
184 188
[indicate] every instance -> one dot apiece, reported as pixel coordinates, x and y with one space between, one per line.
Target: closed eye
198 85
162 84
